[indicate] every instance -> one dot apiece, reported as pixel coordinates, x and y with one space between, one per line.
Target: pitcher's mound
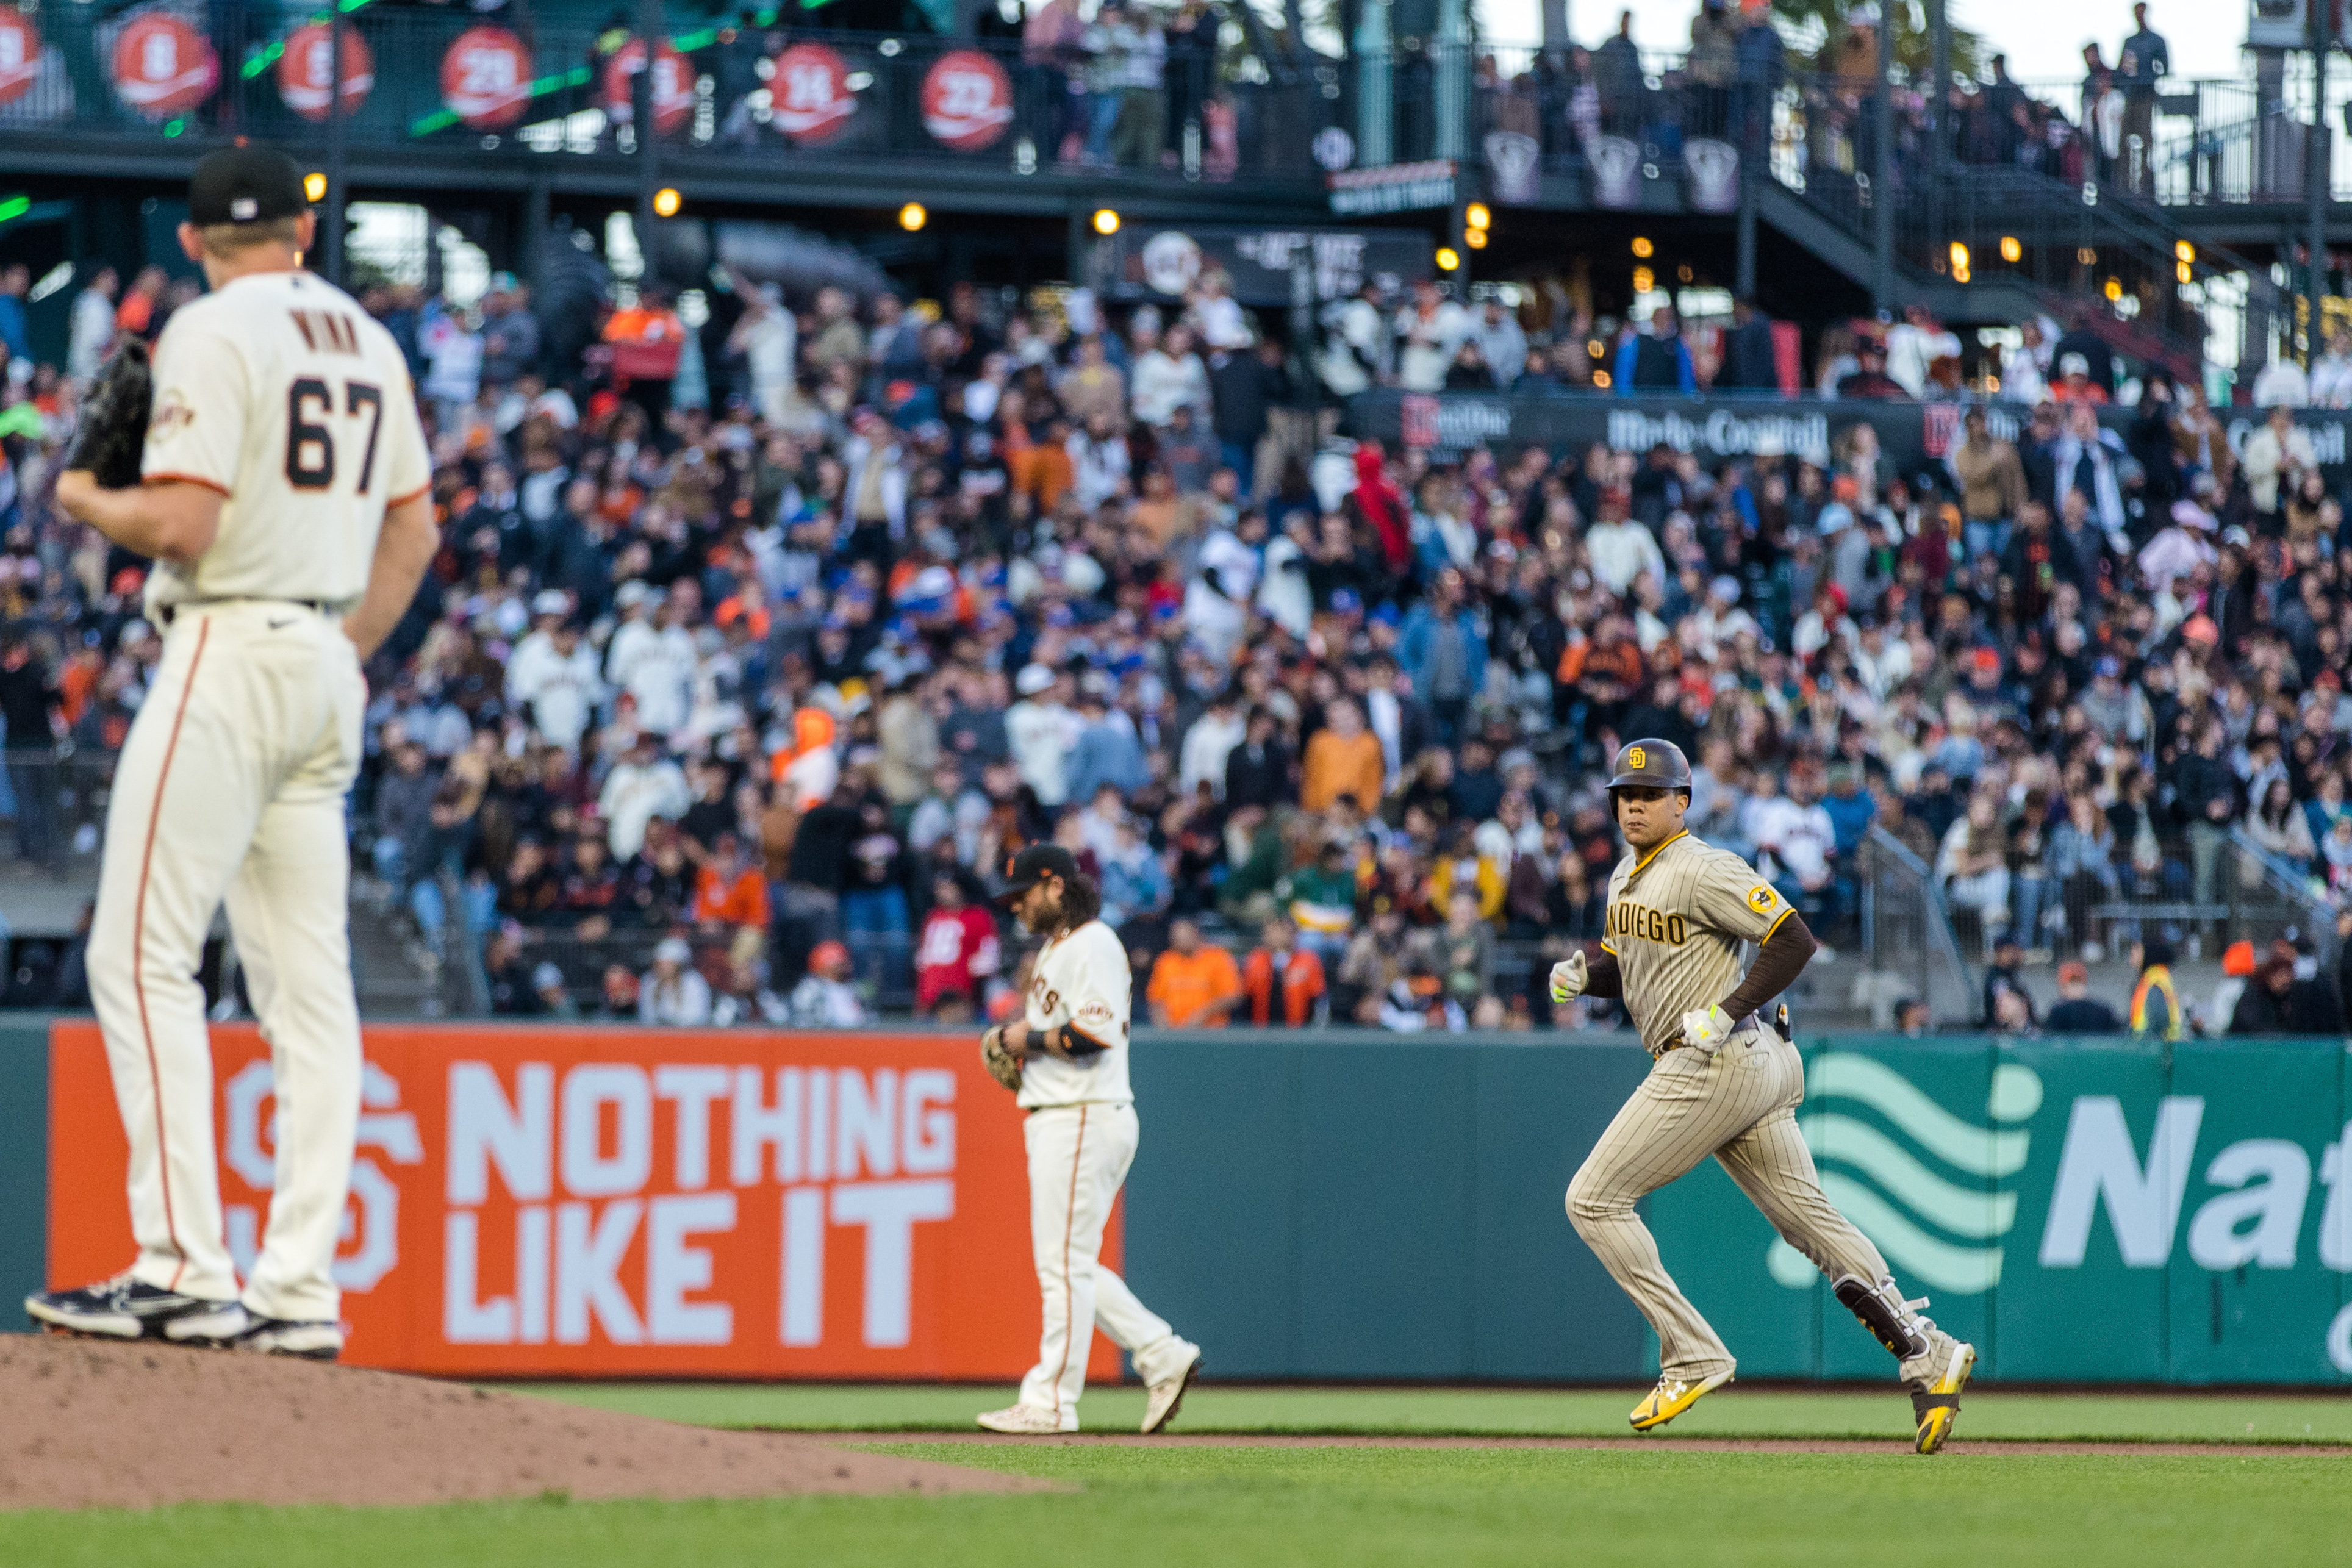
94 1423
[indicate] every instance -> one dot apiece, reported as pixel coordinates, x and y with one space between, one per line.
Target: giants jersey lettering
278 390
1080 978
1676 918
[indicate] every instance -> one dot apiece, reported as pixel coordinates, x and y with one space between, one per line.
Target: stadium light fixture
666 201
2184 253
1959 262
912 216
1475 238
1642 247
1477 216
1448 260
2011 251
314 187
1105 222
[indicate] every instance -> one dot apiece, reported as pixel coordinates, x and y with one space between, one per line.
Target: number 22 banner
586 1202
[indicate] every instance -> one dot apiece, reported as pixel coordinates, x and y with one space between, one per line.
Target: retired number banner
587 1202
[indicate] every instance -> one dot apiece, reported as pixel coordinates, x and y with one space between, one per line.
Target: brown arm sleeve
1603 977
1778 964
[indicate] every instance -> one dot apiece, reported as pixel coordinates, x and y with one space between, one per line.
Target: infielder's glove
1567 977
1003 1064
113 430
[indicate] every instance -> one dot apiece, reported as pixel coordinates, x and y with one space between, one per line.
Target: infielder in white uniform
285 503
1067 1056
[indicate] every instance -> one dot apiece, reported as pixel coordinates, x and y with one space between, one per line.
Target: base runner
1726 1083
283 493
1066 1056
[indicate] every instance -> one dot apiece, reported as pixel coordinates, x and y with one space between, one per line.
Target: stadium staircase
2072 245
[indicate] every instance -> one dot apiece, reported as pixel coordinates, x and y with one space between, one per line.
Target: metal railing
1908 944
769 92
54 800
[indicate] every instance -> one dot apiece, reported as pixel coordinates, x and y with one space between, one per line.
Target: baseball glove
113 429
1003 1062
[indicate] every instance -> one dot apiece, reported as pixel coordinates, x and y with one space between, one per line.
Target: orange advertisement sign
623 1203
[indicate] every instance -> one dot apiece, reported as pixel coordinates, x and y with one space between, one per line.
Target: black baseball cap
244 186
1033 866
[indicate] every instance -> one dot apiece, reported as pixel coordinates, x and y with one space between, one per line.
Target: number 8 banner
485 78
967 100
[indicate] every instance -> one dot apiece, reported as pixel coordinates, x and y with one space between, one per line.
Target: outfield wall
620 1202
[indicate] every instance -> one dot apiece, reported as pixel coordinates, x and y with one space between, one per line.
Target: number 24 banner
588 1202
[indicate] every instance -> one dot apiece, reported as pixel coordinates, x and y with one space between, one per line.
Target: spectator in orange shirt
1283 981
730 890
1192 986
136 314
1344 758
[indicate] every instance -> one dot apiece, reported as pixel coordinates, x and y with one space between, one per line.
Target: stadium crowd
755 648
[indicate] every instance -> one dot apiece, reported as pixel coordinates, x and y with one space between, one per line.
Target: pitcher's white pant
1079 1155
231 786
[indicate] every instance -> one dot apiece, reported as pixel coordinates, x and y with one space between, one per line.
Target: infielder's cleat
286 1336
1027 1421
124 1308
1162 1400
1939 1405
1671 1398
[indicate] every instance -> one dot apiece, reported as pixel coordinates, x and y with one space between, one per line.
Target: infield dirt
93 1424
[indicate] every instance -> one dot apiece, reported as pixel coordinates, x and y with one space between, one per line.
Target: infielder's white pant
1079 1155
231 786
1738 1105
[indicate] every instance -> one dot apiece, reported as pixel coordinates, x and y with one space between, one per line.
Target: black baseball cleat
290 1336
124 1308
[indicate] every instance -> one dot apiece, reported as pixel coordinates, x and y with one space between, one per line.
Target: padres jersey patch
1761 898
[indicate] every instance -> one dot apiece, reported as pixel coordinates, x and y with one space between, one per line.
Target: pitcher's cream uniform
1676 918
1081 1137
279 392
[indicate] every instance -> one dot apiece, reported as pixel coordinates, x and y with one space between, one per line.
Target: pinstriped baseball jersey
1676 918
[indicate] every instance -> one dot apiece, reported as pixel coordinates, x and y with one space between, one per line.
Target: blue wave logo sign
1924 1193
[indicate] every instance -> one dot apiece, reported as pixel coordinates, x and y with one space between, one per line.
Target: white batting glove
1567 977
1705 1029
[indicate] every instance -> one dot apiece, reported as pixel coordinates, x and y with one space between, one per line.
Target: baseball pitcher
1067 1058
282 494
1727 1082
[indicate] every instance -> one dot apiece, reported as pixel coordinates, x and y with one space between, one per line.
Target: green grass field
1501 1413
1658 1505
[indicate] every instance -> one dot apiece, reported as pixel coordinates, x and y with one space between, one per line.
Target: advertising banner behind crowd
2082 1211
1911 433
628 1203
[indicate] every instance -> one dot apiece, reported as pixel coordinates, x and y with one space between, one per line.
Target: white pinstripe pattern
1738 1105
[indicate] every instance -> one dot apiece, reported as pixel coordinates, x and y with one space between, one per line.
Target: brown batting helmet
1656 764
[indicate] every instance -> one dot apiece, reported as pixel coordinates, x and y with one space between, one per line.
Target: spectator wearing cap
552 679
2077 1012
642 786
2181 549
1041 733
554 995
824 998
673 992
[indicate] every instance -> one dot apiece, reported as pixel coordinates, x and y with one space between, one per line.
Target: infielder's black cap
1033 866
1658 764
244 186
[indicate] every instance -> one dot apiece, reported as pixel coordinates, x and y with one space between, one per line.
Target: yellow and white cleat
1671 1398
1939 1405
